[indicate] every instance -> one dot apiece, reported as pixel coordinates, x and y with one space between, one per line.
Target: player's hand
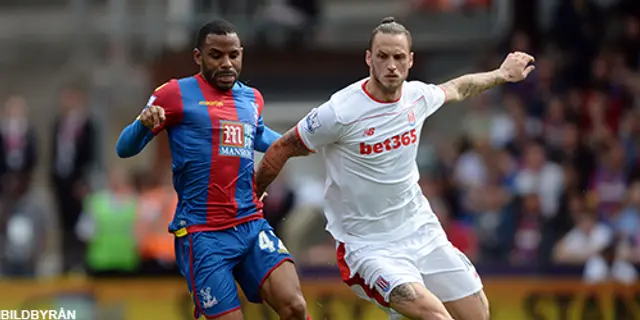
152 116
517 66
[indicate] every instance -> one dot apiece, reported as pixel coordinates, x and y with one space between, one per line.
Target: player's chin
225 84
391 86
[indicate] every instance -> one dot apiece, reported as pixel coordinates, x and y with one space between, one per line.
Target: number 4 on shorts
268 245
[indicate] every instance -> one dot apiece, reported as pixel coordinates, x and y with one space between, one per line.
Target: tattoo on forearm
294 146
472 84
404 293
268 170
287 146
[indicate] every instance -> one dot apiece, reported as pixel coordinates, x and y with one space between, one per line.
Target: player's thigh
267 272
206 260
453 279
471 307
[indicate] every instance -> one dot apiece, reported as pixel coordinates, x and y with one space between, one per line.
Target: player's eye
382 56
400 57
215 56
234 55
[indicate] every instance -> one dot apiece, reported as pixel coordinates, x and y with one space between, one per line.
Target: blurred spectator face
72 99
576 205
482 145
553 126
534 157
545 68
514 105
615 157
16 108
575 100
570 136
118 180
632 27
570 176
634 195
600 69
505 164
596 107
480 103
586 221
629 124
531 203
555 111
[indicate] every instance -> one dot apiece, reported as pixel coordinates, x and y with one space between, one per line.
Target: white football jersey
369 148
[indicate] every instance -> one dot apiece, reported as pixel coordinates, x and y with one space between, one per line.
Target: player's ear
367 57
411 59
197 56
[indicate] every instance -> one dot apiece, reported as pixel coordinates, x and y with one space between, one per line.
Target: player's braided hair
389 25
218 27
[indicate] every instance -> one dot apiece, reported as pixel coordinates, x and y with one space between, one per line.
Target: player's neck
374 89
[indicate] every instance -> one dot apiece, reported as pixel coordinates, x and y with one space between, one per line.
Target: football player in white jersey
391 248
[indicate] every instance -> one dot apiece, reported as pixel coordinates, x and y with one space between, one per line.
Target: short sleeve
168 97
320 127
434 97
259 106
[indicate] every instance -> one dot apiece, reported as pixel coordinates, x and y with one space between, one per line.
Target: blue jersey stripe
194 184
243 98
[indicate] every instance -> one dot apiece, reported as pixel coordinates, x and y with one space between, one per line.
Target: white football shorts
373 271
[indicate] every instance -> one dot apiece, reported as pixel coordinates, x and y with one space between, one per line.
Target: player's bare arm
287 146
516 67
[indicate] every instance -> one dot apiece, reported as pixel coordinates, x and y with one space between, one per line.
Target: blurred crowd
546 171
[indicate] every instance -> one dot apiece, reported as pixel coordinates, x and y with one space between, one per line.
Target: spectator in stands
553 124
28 229
108 226
528 227
18 158
609 181
524 126
626 222
74 141
586 240
542 177
461 235
574 153
17 145
157 204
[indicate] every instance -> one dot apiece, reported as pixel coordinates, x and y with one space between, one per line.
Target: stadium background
536 182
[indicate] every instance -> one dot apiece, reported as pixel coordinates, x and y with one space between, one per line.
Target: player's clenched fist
517 66
152 116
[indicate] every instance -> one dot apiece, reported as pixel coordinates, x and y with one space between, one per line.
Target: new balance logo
395 142
369 132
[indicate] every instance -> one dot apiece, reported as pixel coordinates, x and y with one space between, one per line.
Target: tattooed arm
516 67
469 85
288 146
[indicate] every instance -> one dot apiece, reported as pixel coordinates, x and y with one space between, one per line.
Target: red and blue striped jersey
211 136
